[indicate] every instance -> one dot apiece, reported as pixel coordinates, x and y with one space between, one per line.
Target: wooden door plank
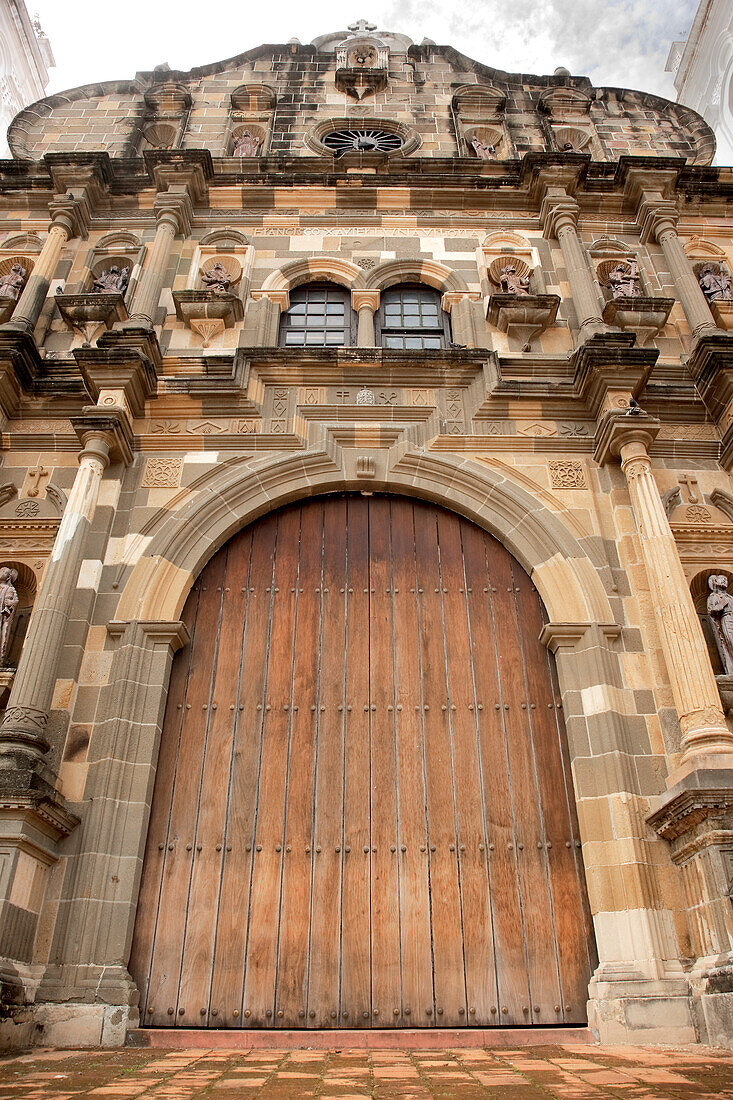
463 711
512 980
261 966
571 941
327 828
232 927
355 917
211 845
174 894
415 922
292 993
450 988
148 897
386 843
536 908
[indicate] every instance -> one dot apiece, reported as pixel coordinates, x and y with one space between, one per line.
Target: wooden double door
363 814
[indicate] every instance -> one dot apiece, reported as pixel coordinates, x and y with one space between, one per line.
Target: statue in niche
8 604
112 281
217 278
511 282
246 144
720 610
715 284
624 280
12 284
482 149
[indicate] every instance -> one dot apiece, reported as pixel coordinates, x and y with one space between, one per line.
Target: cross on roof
362 26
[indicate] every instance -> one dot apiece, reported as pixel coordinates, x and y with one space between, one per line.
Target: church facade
366 527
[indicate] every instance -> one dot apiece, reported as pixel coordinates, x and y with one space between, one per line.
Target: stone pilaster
23 743
366 304
559 218
459 304
704 729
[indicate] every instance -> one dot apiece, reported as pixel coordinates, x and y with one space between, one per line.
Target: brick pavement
535 1073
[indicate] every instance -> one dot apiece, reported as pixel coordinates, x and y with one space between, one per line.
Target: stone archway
362 815
635 935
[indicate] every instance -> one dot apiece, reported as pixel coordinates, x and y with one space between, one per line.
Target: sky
619 43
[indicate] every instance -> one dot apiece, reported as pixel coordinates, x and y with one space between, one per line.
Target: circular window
361 141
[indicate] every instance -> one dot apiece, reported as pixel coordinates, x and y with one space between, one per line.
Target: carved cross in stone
690 482
362 26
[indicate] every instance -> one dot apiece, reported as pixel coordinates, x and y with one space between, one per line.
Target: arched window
320 315
411 317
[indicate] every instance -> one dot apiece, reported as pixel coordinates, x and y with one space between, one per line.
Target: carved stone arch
121 248
226 238
315 269
253 98
122 238
431 272
168 99
564 565
698 248
563 103
23 242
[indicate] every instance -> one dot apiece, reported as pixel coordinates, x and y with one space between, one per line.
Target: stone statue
8 604
246 144
720 610
715 285
511 283
482 149
113 281
12 283
624 281
217 278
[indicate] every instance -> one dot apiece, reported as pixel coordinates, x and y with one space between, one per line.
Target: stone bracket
112 421
522 316
609 362
646 317
703 793
118 368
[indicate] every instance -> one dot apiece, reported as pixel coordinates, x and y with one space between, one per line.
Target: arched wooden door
363 814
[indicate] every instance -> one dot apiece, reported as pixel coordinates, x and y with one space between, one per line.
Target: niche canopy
361 141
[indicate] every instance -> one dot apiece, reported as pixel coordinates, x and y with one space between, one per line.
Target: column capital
108 424
656 218
368 299
558 212
279 298
175 208
190 169
618 430
73 214
453 297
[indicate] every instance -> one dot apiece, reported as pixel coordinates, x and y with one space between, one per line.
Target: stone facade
702 65
141 428
25 58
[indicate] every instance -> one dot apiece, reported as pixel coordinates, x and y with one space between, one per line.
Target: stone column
30 303
559 218
704 729
658 218
173 213
23 743
366 304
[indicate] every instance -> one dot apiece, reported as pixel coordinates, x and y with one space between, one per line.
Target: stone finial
361 26
720 610
8 604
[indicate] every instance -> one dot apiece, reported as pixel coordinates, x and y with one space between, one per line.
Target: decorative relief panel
162 473
567 474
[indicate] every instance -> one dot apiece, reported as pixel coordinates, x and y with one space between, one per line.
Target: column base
635 1011
71 1025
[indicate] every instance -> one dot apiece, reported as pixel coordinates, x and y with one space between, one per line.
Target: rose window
361 141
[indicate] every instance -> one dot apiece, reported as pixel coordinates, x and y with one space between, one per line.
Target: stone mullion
366 304
22 734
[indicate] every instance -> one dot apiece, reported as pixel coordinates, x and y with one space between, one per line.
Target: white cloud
614 42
